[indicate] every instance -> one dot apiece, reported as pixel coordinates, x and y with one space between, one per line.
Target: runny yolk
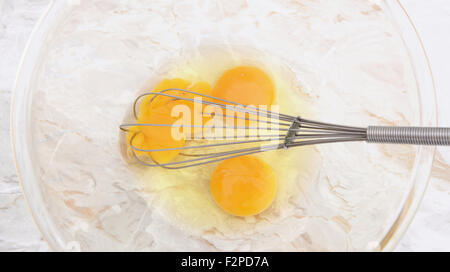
245 85
160 100
243 186
158 111
161 137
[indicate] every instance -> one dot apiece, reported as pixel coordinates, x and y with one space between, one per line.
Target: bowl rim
25 53
390 240
405 218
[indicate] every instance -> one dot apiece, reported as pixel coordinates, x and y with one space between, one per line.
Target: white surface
429 230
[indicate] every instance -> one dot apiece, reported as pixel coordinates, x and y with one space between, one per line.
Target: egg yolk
160 100
157 109
160 137
243 186
139 140
245 85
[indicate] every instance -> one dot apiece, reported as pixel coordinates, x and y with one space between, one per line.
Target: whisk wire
292 132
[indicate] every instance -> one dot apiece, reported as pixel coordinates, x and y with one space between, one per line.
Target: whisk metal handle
408 135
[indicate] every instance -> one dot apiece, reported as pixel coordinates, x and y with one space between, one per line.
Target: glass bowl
85 62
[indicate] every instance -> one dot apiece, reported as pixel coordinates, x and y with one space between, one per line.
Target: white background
430 230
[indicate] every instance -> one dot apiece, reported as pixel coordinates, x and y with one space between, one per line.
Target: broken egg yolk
243 186
160 137
157 109
245 85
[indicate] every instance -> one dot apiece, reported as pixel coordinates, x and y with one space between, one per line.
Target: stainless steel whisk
291 131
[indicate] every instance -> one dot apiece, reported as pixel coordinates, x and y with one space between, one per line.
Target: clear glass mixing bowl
62 167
